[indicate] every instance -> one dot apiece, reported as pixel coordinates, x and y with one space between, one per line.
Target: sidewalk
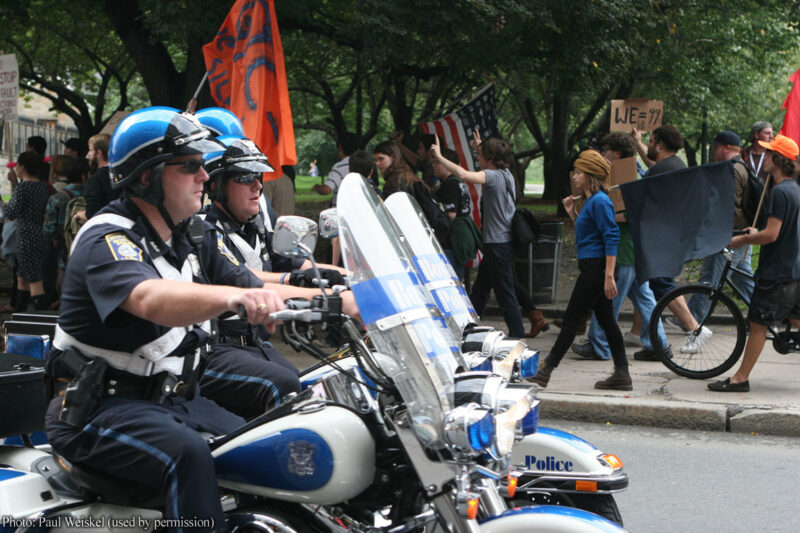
660 397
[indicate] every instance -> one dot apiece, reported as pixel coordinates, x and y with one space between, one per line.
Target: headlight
478 361
506 421
529 363
482 388
470 428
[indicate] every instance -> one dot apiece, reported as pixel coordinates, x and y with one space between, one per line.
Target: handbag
525 227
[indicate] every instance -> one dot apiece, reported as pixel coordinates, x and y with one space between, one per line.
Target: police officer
244 374
126 349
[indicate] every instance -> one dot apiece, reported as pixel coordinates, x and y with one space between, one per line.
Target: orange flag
247 75
791 121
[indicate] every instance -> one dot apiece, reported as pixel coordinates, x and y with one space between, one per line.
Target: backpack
751 198
71 225
440 222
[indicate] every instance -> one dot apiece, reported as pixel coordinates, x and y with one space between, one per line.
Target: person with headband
776 295
597 236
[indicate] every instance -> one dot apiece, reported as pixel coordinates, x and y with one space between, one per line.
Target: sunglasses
246 179
190 166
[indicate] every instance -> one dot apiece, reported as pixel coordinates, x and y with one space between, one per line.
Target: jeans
643 302
588 294
711 271
458 268
497 272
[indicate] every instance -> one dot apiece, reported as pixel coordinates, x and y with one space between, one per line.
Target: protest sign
9 86
114 121
639 113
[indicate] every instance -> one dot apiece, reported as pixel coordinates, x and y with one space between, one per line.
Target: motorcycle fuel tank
321 454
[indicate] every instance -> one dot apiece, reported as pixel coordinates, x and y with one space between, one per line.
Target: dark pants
589 295
497 272
247 380
524 298
156 445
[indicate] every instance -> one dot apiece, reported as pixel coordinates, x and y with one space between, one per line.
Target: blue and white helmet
220 121
150 137
241 160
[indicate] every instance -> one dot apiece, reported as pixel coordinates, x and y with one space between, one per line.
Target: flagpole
191 107
760 203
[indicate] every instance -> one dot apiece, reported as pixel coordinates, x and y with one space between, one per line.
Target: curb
670 414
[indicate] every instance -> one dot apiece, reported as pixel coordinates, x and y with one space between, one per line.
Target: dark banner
677 216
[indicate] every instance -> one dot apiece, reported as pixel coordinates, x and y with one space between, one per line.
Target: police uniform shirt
225 225
109 261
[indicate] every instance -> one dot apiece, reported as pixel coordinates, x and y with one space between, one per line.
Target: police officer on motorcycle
127 348
245 374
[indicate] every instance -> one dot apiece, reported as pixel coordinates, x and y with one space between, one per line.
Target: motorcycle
384 448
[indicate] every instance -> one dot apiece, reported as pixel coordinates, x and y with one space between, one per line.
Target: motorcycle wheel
600 504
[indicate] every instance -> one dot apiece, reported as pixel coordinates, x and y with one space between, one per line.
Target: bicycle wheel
716 354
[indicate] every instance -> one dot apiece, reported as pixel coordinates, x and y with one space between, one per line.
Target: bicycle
720 351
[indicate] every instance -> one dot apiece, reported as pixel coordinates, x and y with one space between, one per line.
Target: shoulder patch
122 248
224 250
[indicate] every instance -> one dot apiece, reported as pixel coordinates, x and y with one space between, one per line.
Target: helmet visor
189 137
246 164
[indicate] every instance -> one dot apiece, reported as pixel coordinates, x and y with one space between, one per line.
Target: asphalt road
685 481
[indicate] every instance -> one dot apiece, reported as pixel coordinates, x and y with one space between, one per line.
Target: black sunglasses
190 166
246 179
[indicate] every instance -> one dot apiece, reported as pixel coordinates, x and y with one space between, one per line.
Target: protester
313 171
99 192
74 147
665 141
753 155
27 206
596 235
57 178
364 164
397 176
776 296
419 159
726 148
346 144
38 144
496 270
616 146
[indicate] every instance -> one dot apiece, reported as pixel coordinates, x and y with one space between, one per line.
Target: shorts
661 286
774 301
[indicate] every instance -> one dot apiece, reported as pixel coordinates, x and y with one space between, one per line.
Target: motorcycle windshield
431 263
402 321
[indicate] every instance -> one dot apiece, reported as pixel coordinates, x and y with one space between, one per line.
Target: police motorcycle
336 457
552 466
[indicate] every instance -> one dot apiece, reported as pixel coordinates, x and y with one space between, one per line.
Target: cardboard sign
9 86
623 170
616 198
639 113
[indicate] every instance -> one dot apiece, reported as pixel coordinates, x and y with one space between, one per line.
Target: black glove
305 278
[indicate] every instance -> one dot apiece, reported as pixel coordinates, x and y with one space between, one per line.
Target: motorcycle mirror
329 223
294 236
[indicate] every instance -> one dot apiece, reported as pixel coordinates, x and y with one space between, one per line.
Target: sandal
725 385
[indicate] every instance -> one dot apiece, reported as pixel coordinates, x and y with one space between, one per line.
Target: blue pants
643 302
156 445
497 272
246 380
711 271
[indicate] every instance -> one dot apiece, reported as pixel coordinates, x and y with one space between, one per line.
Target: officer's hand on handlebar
255 305
349 306
306 278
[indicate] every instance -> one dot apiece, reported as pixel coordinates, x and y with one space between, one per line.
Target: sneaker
695 341
632 340
585 350
673 324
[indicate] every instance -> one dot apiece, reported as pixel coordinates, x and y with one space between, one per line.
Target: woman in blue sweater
596 234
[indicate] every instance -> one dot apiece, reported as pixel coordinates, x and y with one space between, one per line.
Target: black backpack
440 221
751 197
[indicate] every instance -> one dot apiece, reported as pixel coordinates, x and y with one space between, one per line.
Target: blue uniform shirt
109 262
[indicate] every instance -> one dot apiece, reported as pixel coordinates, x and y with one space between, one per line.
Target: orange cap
783 145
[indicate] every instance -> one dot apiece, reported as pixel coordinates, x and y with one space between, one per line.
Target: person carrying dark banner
776 296
597 236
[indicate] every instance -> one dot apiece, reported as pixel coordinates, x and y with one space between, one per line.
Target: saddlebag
22 394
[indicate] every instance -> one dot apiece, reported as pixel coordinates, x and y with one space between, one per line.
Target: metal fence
16 133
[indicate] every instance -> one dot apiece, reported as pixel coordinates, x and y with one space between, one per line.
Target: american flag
455 131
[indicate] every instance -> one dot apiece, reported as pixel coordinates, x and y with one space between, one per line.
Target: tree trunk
556 159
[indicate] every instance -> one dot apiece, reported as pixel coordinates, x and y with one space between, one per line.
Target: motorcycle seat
112 489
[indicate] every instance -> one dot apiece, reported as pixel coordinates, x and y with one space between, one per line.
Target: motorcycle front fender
549 518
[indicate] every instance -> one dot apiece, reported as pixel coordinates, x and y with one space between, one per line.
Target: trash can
537 263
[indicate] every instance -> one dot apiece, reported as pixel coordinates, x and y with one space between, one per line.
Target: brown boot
581 329
542 377
538 323
620 379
